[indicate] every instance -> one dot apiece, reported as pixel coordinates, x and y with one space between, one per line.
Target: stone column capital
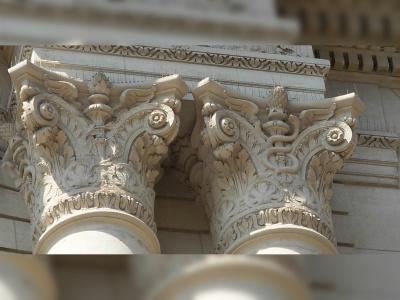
82 145
271 161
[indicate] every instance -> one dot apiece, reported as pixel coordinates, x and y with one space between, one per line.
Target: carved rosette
81 146
270 161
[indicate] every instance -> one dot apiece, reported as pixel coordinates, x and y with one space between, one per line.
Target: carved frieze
180 54
270 161
86 145
376 141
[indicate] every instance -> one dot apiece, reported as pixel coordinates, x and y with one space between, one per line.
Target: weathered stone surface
81 146
270 161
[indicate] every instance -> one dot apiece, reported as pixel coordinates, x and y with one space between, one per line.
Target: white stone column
86 156
212 278
268 167
25 277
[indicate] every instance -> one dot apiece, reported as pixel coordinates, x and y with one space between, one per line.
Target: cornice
375 60
267 62
375 48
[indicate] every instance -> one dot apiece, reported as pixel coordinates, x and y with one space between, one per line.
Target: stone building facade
199 149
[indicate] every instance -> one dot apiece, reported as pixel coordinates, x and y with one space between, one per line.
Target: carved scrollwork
374 141
157 119
92 200
271 216
199 57
39 112
269 161
335 136
71 152
228 126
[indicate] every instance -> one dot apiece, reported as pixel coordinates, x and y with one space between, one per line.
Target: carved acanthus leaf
271 216
237 172
271 158
322 169
59 150
55 151
93 200
146 156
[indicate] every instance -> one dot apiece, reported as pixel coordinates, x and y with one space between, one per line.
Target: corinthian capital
83 146
271 163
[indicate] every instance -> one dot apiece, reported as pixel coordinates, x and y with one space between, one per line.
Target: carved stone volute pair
81 146
270 162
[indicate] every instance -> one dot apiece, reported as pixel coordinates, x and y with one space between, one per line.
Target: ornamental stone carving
82 146
270 162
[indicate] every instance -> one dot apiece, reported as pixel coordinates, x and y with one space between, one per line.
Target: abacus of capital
86 156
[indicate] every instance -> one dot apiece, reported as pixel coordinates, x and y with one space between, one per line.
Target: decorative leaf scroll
267 159
322 169
237 172
198 57
90 200
378 141
55 150
271 216
146 156
105 150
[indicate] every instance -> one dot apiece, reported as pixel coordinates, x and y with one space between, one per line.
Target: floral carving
378 141
268 217
99 84
149 149
223 60
93 200
157 119
228 126
70 153
269 166
335 136
237 175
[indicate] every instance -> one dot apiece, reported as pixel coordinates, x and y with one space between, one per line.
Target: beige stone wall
15 233
182 224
